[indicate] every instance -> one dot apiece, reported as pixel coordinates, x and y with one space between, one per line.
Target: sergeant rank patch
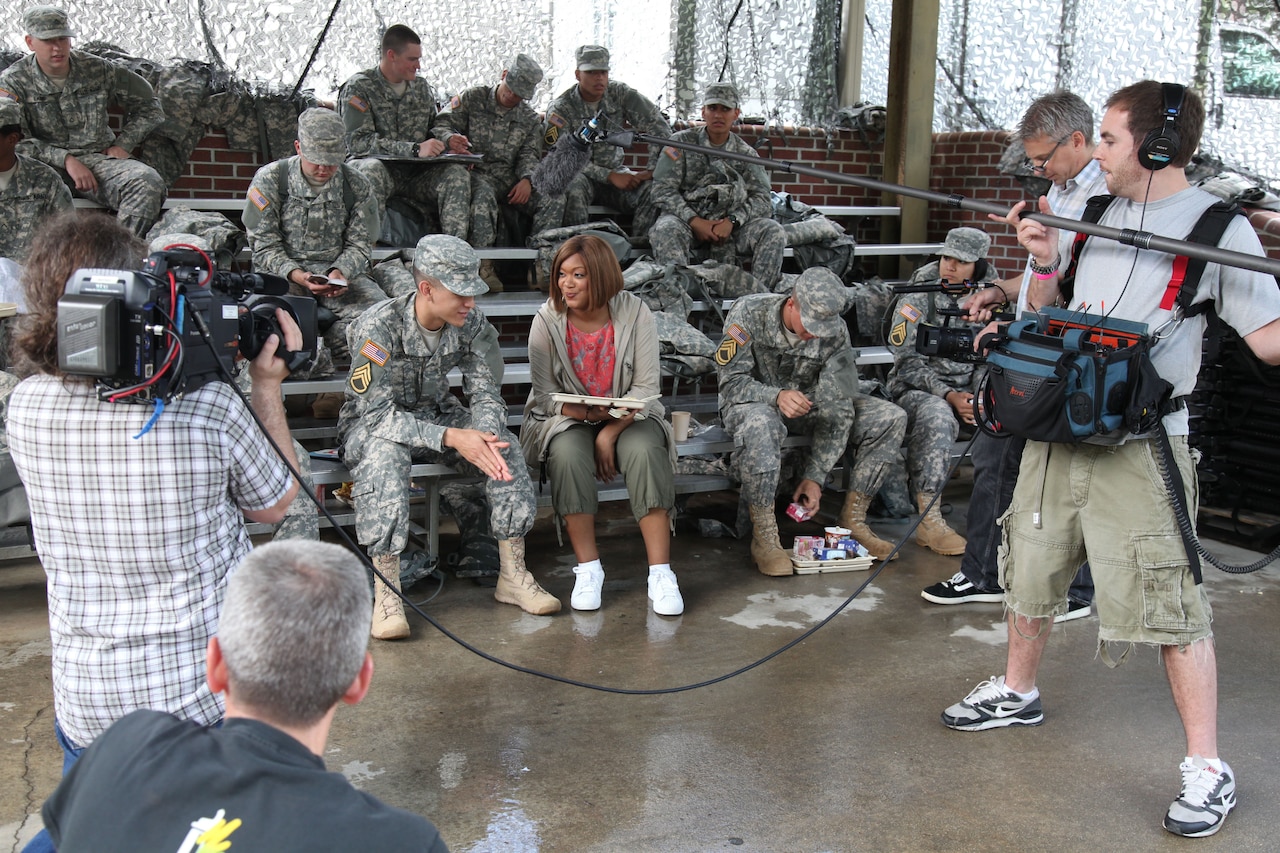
361 377
898 334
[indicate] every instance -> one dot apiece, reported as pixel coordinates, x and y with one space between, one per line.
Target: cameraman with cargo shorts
137 529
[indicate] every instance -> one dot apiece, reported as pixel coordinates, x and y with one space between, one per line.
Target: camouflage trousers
380 469
584 192
131 188
486 196
875 430
443 188
300 519
362 293
932 430
761 239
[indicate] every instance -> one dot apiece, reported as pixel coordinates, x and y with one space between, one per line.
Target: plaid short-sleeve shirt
137 538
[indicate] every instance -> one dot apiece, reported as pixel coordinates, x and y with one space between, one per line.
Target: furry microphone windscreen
562 164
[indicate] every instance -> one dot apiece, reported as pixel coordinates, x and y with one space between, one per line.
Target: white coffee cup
680 425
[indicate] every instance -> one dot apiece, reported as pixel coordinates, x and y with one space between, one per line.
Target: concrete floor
835 745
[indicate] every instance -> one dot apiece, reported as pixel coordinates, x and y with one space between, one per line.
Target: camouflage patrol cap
10 112
725 94
821 298
592 57
523 75
966 244
46 22
452 262
322 136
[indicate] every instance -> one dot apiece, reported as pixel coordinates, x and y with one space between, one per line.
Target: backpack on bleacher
663 287
225 240
547 242
815 239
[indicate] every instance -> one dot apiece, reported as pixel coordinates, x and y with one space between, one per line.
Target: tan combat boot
766 550
516 585
328 405
490 277
854 516
388 610
934 533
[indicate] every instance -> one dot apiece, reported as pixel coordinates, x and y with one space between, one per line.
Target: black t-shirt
154 782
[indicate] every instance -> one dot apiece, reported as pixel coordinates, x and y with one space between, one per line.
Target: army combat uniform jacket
35 192
621 104
399 392
687 184
756 361
509 139
293 225
73 120
912 370
380 122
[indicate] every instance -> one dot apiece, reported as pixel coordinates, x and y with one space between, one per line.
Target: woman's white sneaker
586 589
664 592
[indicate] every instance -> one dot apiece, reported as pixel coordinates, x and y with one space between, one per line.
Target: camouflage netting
993 56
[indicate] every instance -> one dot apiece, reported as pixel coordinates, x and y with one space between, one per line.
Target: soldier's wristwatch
733 220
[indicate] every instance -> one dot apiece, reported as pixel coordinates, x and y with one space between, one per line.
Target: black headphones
1160 146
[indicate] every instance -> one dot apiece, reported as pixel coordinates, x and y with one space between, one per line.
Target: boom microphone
566 159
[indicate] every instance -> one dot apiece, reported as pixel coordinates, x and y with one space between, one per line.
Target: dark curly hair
64 244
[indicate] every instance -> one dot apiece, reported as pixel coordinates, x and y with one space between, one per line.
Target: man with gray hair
312 220
155 782
724 204
605 180
64 95
1056 133
496 121
786 366
399 410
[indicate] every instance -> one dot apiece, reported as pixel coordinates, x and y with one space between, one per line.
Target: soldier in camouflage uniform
786 365
29 190
937 393
312 220
495 121
64 95
721 203
399 410
388 111
604 180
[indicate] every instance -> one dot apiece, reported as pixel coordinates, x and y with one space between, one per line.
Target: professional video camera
949 341
160 332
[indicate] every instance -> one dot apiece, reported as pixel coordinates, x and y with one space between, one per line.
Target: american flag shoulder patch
738 333
673 153
455 102
556 119
359 103
259 200
374 353
909 311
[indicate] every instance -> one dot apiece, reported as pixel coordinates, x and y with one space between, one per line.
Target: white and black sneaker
1207 797
1075 610
958 589
991 705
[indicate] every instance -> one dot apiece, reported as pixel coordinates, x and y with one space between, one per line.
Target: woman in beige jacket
592 338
